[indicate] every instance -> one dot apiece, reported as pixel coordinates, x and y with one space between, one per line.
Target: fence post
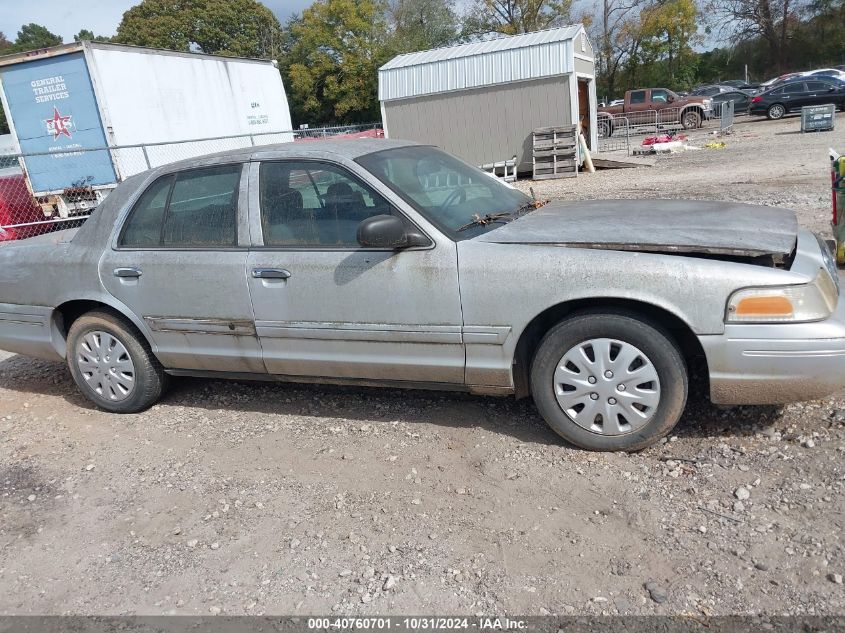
146 156
726 116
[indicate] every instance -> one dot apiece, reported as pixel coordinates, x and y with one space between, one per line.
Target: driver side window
314 204
659 96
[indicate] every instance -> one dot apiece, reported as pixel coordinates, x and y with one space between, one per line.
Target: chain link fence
622 131
47 192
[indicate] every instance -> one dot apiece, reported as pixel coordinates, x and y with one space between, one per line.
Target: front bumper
777 363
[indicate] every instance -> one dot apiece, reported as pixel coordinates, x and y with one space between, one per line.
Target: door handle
127 273
270 273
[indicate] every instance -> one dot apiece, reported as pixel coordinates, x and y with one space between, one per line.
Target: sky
68 17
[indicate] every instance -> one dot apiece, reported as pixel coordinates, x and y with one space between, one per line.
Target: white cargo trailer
158 106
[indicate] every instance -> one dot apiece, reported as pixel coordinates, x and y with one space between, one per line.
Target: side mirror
388 231
670 98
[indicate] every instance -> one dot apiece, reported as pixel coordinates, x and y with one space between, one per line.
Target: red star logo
58 125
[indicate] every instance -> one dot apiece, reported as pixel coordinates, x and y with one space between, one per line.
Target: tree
668 31
244 28
769 20
88 36
516 16
335 51
4 43
422 24
615 30
33 37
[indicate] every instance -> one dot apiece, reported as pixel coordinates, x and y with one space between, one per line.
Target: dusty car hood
664 226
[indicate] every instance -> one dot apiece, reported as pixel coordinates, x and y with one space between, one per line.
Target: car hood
657 226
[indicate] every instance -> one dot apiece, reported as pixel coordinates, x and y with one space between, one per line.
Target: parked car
709 91
381 262
768 85
739 84
740 98
826 72
796 93
668 106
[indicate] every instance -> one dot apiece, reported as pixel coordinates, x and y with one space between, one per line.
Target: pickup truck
656 105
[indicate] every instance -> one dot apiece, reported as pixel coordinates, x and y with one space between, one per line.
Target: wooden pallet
555 152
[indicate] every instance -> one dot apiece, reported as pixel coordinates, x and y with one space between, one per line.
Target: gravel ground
270 499
764 162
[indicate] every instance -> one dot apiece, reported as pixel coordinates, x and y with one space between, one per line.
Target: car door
820 93
794 95
326 307
637 108
179 263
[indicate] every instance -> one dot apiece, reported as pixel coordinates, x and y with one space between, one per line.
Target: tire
605 130
691 120
776 111
648 348
112 364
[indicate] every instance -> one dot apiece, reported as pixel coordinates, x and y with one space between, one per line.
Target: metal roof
500 60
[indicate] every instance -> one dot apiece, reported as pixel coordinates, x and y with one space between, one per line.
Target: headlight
784 304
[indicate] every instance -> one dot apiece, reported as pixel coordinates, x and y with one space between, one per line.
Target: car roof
346 148
803 78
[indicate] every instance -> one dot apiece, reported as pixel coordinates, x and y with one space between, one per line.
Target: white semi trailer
68 103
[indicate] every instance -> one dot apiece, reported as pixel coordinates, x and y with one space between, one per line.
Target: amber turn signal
764 306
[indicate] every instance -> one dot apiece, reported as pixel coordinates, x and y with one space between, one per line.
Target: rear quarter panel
36 276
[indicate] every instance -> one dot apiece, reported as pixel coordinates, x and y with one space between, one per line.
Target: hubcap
106 366
607 386
776 112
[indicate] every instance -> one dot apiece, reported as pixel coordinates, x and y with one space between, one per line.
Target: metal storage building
481 101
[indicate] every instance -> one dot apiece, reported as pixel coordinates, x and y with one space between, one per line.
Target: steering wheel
458 196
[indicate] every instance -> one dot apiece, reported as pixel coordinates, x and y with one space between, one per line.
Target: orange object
752 306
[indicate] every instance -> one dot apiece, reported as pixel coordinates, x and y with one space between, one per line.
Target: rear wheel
605 130
112 363
775 112
609 381
691 120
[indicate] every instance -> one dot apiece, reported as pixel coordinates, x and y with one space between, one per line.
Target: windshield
460 200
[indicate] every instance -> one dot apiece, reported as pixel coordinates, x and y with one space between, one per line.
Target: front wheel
605 130
609 381
775 112
691 120
112 363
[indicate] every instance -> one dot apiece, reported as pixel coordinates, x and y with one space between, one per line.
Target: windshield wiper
503 217
491 218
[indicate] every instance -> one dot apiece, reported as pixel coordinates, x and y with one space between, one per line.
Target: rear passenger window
794 88
203 208
637 96
143 230
194 209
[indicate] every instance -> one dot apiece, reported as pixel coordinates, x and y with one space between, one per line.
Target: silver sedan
387 263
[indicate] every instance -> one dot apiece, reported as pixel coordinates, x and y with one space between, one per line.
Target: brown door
584 108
